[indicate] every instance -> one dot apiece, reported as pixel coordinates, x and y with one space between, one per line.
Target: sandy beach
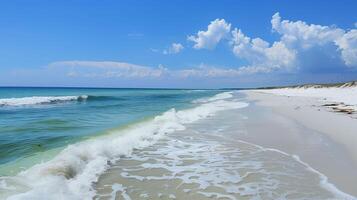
325 139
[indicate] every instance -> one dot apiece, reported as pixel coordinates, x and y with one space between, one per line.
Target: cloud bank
108 69
114 69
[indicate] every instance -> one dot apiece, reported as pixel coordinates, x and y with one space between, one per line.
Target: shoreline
299 125
221 156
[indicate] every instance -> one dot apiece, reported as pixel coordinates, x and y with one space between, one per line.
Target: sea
106 143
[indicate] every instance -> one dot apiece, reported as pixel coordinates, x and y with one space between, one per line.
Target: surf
73 171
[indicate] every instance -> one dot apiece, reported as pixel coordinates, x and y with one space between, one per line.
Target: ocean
86 143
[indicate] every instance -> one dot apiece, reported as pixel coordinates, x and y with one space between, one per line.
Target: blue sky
158 44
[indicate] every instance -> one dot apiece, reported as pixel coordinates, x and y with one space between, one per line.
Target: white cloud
216 31
108 69
299 34
302 34
205 71
260 54
348 47
111 69
174 49
296 39
218 72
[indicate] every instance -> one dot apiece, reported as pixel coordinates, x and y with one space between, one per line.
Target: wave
35 100
220 96
38 100
71 174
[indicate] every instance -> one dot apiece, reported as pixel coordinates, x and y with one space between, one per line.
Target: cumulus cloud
302 36
261 54
174 49
348 46
298 39
108 69
216 31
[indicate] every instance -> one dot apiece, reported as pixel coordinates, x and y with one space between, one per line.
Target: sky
177 44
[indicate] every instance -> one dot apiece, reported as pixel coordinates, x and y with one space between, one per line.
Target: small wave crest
35 100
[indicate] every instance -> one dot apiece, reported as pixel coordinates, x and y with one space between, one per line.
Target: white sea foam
220 96
119 188
70 175
24 101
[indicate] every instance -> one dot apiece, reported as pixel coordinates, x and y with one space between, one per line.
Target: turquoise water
34 120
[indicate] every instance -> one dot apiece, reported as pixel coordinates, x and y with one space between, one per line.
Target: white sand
345 95
336 159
